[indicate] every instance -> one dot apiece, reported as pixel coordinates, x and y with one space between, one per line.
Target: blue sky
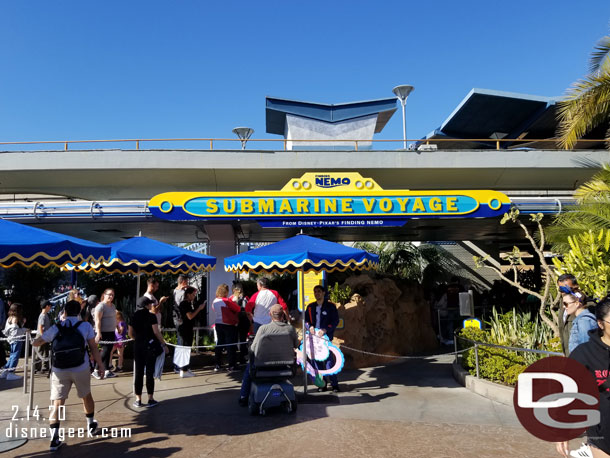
168 69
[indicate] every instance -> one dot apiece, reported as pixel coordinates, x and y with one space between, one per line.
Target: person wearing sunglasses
581 319
567 285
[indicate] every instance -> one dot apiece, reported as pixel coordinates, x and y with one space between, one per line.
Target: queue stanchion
32 364
26 361
440 329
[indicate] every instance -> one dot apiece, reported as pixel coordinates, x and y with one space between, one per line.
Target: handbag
154 346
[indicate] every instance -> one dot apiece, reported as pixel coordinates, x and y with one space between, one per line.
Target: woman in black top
595 356
144 329
188 312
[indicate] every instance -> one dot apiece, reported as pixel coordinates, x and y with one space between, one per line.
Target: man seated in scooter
270 343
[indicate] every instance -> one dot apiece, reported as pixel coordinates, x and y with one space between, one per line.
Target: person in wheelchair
272 355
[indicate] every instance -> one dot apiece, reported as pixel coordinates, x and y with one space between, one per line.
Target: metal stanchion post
197 341
32 364
25 364
455 347
440 328
476 357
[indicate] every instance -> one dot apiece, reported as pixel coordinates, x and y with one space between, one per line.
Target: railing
477 344
303 142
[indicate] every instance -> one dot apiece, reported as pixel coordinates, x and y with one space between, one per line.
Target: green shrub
589 261
170 337
510 329
206 340
340 295
511 374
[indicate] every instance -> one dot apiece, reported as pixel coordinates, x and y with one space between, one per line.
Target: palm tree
592 211
587 103
586 106
424 263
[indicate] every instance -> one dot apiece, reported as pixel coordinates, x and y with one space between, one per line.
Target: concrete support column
222 244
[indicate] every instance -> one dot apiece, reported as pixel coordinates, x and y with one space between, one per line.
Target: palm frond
586 106
597 188
592 215
600 58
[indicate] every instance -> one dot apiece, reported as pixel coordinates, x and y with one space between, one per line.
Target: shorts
61 382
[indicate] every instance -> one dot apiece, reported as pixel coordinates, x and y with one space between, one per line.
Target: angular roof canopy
487 114
277 109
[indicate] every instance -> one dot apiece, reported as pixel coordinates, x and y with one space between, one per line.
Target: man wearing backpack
177 298
70 364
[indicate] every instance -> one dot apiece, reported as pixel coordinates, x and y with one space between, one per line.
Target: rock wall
386 317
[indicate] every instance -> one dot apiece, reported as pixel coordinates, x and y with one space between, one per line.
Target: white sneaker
96 374
583 452
11 376
109 374
3 374
185 374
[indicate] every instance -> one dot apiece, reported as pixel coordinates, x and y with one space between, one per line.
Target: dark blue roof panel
484 112
277 109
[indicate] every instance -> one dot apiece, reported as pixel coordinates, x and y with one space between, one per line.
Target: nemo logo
328 182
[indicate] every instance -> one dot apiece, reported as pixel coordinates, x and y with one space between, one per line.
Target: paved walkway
409 409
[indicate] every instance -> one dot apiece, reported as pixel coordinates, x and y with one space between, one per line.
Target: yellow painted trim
17 258
276 267
110 267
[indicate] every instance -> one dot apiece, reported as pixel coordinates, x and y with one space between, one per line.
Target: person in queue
595 356
185 331
105 326
225 322
71 367
43 323
261 302
152 286
148 344
14 332
244 324
88 309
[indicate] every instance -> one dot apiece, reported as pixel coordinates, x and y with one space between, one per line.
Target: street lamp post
244 133
402 92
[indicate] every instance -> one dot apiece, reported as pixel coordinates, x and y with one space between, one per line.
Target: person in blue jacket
323 315
582 320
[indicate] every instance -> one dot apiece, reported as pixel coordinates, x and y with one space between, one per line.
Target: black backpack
68 346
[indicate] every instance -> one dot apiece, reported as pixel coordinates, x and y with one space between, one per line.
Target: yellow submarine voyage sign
329 199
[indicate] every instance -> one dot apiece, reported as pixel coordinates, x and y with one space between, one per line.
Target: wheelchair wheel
291 407
253 407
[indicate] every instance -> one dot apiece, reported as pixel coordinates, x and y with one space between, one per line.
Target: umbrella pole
138 285
300 285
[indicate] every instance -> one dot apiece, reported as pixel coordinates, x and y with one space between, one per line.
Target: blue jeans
13 359
255 327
